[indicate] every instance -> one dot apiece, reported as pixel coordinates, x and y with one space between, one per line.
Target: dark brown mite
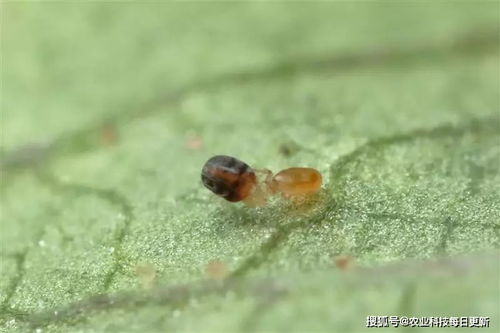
228 177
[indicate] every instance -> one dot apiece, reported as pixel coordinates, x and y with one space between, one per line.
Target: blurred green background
110 109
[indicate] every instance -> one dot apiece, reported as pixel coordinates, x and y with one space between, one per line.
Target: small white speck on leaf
11 323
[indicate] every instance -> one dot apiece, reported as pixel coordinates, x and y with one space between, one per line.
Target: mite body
235 181
296 181
228 177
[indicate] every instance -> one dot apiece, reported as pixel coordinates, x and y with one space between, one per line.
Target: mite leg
262 191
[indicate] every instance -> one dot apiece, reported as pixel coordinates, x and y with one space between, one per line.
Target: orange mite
296 181
235 181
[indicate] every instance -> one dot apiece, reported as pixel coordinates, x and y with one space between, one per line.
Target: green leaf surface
109 111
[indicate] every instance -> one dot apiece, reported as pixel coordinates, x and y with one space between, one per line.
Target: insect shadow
278 213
